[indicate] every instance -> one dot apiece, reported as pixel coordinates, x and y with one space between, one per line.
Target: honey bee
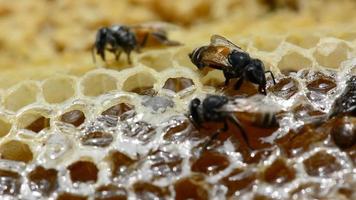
345 104
215 108
121 38
224 55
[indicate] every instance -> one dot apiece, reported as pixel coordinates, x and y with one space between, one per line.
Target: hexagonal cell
83 171
278 173
33 121
21 96
155 61
294 60
5 127
43 180
178 84
16 150
285 88
331 53
120 163
119 110
192 187
321 164
139 83
58 90
146 191
305 41
10 182
98 84
322 84
74 117
266 43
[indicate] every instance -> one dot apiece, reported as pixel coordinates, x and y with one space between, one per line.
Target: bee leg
216 134
128 57
143 43
273 79
239 83
117 55
237 123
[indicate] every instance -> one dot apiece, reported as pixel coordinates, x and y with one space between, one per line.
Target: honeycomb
71 129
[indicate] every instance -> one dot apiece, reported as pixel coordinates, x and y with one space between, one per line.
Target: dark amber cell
147 191
343 132
118 109
178 84
278 173
10 183
285 88
238 180
43 180
69 196
120 163
16 151
321 164
165 164
305 111
110 192
97 138
39 124
210 163
83 171
74 117
177 131
191 188
149 91
322 84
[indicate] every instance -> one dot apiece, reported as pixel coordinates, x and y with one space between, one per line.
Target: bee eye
239 59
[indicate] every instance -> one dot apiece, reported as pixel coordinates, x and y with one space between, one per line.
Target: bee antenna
273 79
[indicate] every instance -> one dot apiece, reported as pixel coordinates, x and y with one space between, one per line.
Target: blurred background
42 37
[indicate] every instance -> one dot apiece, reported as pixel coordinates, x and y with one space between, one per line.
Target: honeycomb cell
164 164
278 173
238 180
322 84
266 43
97 138
98 84
140 83
39 124
118 110
147 191
120 163
83 171
155 61
305 111
74 117
110 192
10 183
295 143
69 196
285 88
331 53
177 131
178 84
321 164
43 180
16 150
343 132
210 163
294 60
140 130
21 96
191 188
305 41
5 127
58 90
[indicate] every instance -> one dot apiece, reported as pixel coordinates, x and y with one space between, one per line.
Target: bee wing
218 40
214 58
257 103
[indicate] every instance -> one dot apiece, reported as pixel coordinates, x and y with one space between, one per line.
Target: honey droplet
83 171
74 117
